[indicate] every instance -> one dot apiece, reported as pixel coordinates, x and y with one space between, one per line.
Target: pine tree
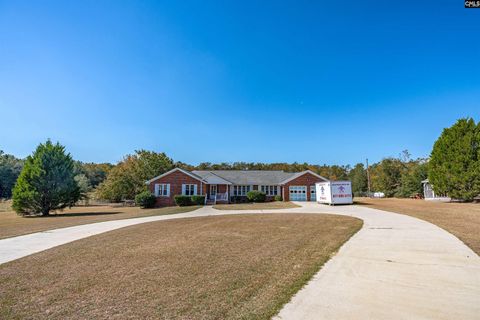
46 182
454 166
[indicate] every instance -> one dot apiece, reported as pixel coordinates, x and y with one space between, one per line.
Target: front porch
217 193
230 193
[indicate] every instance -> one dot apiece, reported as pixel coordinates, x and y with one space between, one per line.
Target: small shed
429 193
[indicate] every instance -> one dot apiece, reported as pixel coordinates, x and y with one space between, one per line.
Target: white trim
301 174
172 171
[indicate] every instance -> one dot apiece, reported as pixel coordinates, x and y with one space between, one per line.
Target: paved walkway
396 267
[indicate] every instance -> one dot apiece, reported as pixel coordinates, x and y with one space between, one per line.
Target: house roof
250 177
211 177
191 174
240 177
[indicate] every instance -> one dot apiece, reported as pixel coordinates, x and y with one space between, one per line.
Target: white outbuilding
429 193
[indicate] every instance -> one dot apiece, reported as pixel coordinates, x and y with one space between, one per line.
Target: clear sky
269 81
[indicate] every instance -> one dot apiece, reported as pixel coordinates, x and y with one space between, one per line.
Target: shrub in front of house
278 198
238 199
256 196
183 201
198 200
145 199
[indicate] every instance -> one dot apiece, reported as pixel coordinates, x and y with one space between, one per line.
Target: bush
145 199
256 196
183 201
278 198
238 199
198 200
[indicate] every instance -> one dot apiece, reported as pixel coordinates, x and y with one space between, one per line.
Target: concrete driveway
395 267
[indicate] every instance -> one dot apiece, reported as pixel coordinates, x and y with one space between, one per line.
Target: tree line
36 182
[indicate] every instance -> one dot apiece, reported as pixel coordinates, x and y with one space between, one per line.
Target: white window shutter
157 187
278 190
168 190
195 189
183 189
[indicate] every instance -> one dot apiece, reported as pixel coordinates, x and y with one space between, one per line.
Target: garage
313 194
298 193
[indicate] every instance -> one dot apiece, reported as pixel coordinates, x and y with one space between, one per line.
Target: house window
189 189
240 190
162 190
270 190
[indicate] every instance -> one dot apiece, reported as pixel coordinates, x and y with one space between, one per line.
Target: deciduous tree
10 168
127 179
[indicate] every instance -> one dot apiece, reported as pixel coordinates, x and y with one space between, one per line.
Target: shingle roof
247 177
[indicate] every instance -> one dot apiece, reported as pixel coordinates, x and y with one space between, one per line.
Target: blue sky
269 81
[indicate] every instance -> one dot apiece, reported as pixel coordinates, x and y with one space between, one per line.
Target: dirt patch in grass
222 267
12 224
257 206
460 219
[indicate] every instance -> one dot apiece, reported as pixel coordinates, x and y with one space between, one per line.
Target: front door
213 190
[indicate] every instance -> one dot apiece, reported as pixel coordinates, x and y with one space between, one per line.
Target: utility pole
368 179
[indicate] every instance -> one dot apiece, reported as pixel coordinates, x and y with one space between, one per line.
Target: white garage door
313 194
298 193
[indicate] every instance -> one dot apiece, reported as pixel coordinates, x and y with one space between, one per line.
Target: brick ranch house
226 186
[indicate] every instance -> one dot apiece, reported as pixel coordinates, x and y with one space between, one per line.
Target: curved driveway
395 267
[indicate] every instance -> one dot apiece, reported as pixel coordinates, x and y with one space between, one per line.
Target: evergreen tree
454 166
10 168
46 182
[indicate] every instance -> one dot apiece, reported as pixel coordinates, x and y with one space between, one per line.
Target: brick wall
175 179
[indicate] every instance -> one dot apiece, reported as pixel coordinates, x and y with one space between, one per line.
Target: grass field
223 267
256 206
460 219
5 206
12 224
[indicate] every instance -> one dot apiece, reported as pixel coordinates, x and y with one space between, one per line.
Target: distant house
225 186
429 194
